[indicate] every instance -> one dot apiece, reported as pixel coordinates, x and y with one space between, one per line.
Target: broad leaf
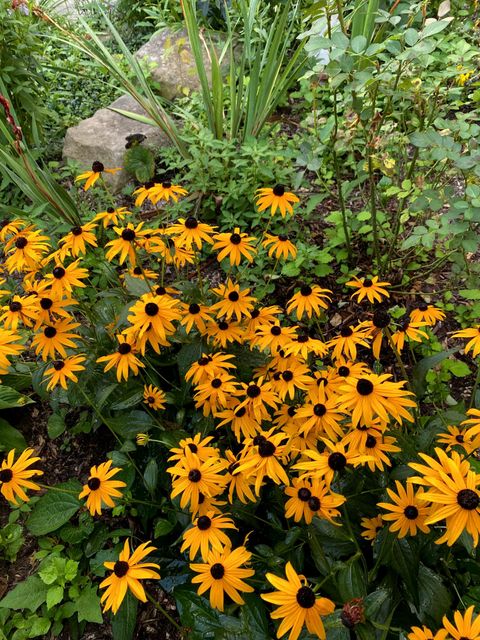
55 508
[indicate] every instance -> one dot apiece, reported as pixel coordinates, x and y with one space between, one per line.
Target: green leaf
124 621
150 476
10 398
54 509
131 399
29 594
195 613
470 294
358 44
434 597
404 560
54 596
88 606
162 528
11 438
40 627
254 617
423 366
351 581
140 162
55 426
434 27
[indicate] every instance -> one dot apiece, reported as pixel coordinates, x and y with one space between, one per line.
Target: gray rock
103 137
171 63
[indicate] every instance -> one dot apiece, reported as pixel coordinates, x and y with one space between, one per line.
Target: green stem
164 613
373 207
475 386
398 357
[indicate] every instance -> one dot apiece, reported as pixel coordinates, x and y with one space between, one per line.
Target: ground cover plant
240 399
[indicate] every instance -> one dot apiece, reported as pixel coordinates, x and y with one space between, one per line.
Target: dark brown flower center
46 303
460 438
343 371
128 235
314 504
193 447
266 449
287 376
110 210
137 271
411 512
217 571
121 568
364 387
233 296
151 400
255 313
370 442
240 412
58 273
278 190
235 238
58 365
253 391
216 383
291 411
275 330
160 291
151 309
77 231
302 339
346 332
191 222
124 348
423 306
15 306
49 332
233 466
367 282
306 290
204 523
258 439
167 184
305 597
94 483
21 243
337 461
319 410
468 499
304 494
223 326
204 360
194 475
98 167
6 475
282 237
381 319
194 309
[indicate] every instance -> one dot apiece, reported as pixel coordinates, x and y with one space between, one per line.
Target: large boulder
103 137
171 63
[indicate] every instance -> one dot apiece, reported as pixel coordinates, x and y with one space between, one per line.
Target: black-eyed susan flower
456 437
206 534
242 423
425 633
100 489
193 478
62 279
148 337
473 427
234 301
141 273
309 498
125 244
334 459
297 605
473 344
55 338
198 445
124 359
373 395
215 394
143 192
406 511
189 232
238 483
111 216
155 313
309 300
63 370
223 333
165 191
347 342
50 306
208 366
408 331
376 447
371 527
11 228
154 397
94 174
20 309
223 573
464 627
128 570
427 313
261 457
303 345
369 288
262 316
322 417
287 381
15 475
272 336
256 396
79 238
279 246
276 198
234 246
8 348
195 314
356 438
453 488
25 250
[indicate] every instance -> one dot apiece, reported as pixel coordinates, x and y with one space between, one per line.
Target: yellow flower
125 243
61 370
191 232
276 198
309 301
65 278
261 457
8 348
15 476
223 332
100 488
407 511
334 459
20 309
280 246
123 359
223 572
464 627
410 331
195 315
155 313
298 605
369 288
425 634
234 246
235 301
127 573
111 216
206 534
371 527
309 498
473 344
154 397
215 394
78 238
427 313
159 191
209 366
346 343
94 174
54 338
